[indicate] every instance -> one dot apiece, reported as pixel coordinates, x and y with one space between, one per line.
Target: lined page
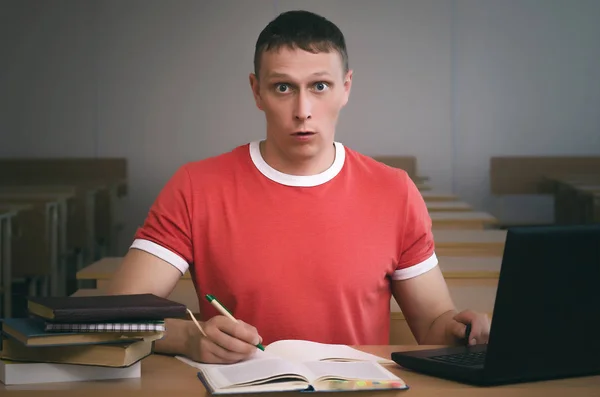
301 350
364 370
251 371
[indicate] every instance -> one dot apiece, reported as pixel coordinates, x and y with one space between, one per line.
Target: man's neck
284 164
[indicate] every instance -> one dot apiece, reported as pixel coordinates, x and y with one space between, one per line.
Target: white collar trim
298 180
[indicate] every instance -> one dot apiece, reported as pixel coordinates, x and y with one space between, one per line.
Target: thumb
459 330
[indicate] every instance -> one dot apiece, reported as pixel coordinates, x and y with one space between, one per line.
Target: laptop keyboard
470 359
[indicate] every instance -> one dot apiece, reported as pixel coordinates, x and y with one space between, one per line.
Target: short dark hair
304 30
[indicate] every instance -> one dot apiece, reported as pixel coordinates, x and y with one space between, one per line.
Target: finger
219 354
227 334
260 339
458 330
480 331
240 330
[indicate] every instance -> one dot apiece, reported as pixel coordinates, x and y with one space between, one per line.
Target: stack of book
68 339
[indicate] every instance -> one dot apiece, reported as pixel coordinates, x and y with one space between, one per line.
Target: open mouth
303 133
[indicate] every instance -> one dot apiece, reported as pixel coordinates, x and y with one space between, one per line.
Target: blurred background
448 84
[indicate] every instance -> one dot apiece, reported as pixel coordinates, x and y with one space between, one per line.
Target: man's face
301 94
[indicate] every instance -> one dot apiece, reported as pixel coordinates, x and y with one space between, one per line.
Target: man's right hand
226 341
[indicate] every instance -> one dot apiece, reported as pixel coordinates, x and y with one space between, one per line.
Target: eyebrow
278 75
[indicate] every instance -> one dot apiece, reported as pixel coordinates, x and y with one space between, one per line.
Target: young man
297 235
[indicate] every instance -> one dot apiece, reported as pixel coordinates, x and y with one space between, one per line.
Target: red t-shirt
298 257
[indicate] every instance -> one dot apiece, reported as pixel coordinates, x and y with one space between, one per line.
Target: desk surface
431 195
470 266
35 196
165 375
588 188
9 209
448 206
455 216
38 189
469 237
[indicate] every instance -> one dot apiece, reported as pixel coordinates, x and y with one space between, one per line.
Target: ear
347 87
255 86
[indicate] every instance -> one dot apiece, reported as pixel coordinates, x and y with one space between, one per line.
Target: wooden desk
31 255
7 213
81 213
462 220
431 196
470 267
165 376
469 242
448 206
57 205
574 197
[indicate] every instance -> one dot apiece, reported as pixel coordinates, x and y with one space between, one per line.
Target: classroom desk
57 210
7 213
448 206
470 267
462 220
431 196
469 242
574 197
78 213
5 259
423 187
164 375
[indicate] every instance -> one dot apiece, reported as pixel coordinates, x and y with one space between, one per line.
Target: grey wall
165 82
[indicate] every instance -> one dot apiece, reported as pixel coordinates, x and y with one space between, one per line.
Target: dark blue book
31 332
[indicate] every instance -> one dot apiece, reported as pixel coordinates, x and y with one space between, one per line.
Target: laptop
546 319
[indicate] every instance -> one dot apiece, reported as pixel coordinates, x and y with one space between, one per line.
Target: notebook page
249 372
362 370
302 350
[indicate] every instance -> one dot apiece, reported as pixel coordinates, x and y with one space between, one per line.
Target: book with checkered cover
158 326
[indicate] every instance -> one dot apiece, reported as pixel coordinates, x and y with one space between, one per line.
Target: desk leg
53 237
114 225
7 267
62 232
90 213
3 314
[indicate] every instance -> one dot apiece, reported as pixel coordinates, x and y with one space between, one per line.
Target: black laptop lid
547 313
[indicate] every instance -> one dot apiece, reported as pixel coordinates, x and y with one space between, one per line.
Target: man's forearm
438 331
177 335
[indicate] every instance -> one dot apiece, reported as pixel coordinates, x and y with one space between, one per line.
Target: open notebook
288 365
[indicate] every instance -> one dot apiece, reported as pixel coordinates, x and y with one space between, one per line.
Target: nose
303 107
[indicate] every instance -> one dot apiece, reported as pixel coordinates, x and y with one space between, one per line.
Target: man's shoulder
218 165
368 166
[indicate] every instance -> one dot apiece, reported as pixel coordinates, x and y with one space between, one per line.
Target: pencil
215 302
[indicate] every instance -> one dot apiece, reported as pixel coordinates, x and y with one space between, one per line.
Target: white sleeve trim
162 253
416 270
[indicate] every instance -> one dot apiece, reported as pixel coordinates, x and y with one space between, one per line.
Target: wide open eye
282 88
321 86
